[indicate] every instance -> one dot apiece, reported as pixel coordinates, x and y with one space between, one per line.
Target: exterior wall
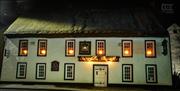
84 70
175 46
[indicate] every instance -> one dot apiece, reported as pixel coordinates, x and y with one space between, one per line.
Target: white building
98 47
174 32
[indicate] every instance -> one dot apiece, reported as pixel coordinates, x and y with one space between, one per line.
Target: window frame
65 71
18 70
123 72
37 71
104 41
154 49
66 47
89 47
155 74
131 48
38 49
20 46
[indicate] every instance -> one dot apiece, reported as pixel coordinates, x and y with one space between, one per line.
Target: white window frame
154 75
70 48
100 48
19 65
20 48
153 50
130 66
39 47
66 65
124 49
37 71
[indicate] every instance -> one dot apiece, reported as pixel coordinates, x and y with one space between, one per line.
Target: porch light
149 52
100 52
43 52
25 52
71 51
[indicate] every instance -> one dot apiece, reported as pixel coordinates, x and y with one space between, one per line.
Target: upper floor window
70 47
23 47
100 47
85 47
42 47
150 48
127 50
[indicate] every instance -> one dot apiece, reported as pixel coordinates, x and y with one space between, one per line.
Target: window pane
150 48
127 48
70 47
42 47
23 48
100 47
127 73
21 70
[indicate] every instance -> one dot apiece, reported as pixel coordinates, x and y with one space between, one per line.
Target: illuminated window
127 48
85 48
40 71
100 47
21 70
70 47
42 47
151 73
23 47
127 75
69 71
150 49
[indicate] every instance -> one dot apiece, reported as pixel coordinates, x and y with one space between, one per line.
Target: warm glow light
43 52
71 51
100 52
84 47
24 51
149 52
126 52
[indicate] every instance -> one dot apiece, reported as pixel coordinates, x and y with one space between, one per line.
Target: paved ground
38 87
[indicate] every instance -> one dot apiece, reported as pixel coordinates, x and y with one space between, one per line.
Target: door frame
107 72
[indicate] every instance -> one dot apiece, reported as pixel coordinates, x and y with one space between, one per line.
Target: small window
85 48
127 73
150 48
42 47
23 47
21 70
100 48
69 71
127 48
151 73
70 47
55 66
40 71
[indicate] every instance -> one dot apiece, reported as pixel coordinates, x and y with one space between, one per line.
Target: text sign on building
99 58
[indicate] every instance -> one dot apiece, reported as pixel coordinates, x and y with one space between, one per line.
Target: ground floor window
69 71
21 70
40 71
127 70
151 73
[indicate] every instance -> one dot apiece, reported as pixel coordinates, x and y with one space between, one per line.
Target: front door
100 75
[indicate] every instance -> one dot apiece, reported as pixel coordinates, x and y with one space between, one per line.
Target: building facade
92 52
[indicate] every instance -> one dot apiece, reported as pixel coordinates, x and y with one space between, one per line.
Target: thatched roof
87 23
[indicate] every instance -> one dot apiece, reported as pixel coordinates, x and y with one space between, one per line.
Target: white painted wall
84 70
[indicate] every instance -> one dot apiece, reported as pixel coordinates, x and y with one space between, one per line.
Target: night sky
56 5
